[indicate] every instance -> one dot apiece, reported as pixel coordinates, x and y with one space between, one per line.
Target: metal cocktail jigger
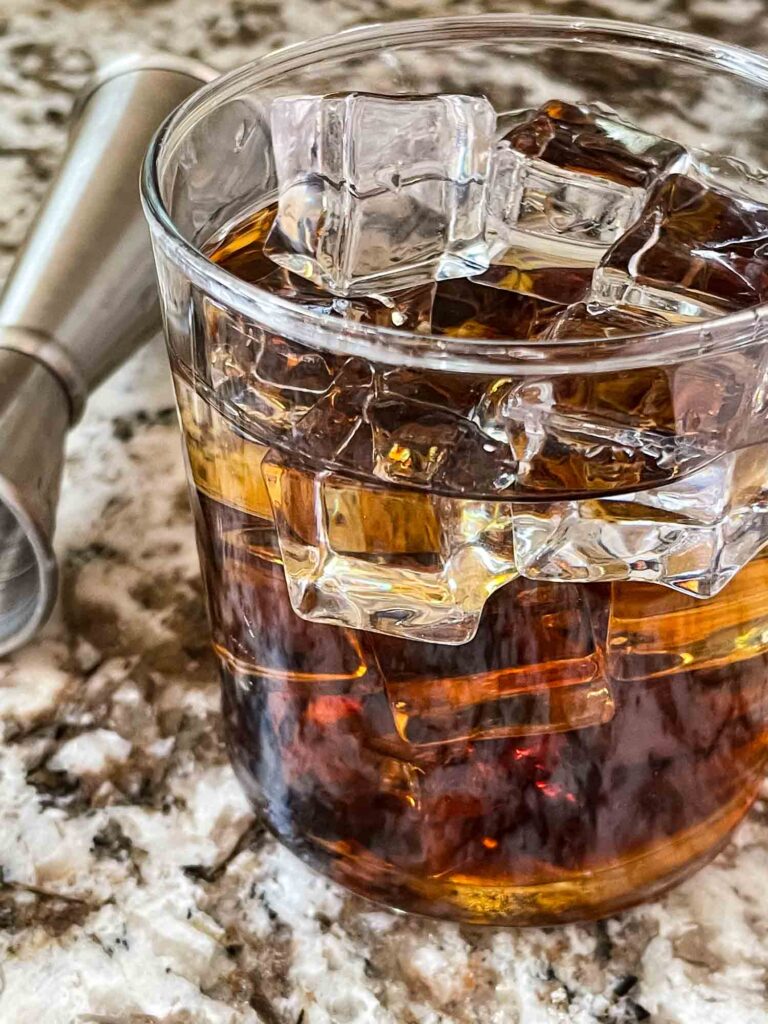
80 299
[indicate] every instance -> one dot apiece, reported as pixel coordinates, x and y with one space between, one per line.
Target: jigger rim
394 346
108 72
45 563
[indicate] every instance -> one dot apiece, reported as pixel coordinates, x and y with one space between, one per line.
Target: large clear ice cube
568 180
335 429
276 382
698 250
378 193
580 433
567 217
693 535
590 138
712 404
409 564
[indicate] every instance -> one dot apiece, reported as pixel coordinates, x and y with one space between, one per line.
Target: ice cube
394 561
423 433
566 183
714 403
456 392
583 432
274 382
586 432
568 218
261 377
405 308
282 382
697 250
534 666
592 139
693 535
335 429
378 193
720 397
365 419
424 444
412 439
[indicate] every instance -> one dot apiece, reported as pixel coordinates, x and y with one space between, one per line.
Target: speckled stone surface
135 886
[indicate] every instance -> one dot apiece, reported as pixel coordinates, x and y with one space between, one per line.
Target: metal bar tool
80 299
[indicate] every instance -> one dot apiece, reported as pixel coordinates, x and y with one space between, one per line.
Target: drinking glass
491 614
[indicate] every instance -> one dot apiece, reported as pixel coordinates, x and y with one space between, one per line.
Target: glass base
550 893
491 902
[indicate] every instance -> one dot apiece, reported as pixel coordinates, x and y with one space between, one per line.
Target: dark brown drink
587 748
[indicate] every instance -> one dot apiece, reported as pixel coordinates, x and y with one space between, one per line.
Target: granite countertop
135 886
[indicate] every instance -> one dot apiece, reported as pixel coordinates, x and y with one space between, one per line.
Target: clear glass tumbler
491 614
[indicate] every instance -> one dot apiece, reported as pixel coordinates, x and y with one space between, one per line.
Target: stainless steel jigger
80 299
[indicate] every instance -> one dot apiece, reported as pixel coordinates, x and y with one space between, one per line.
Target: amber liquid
592 745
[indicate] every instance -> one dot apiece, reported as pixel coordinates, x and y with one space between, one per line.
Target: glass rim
516 356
